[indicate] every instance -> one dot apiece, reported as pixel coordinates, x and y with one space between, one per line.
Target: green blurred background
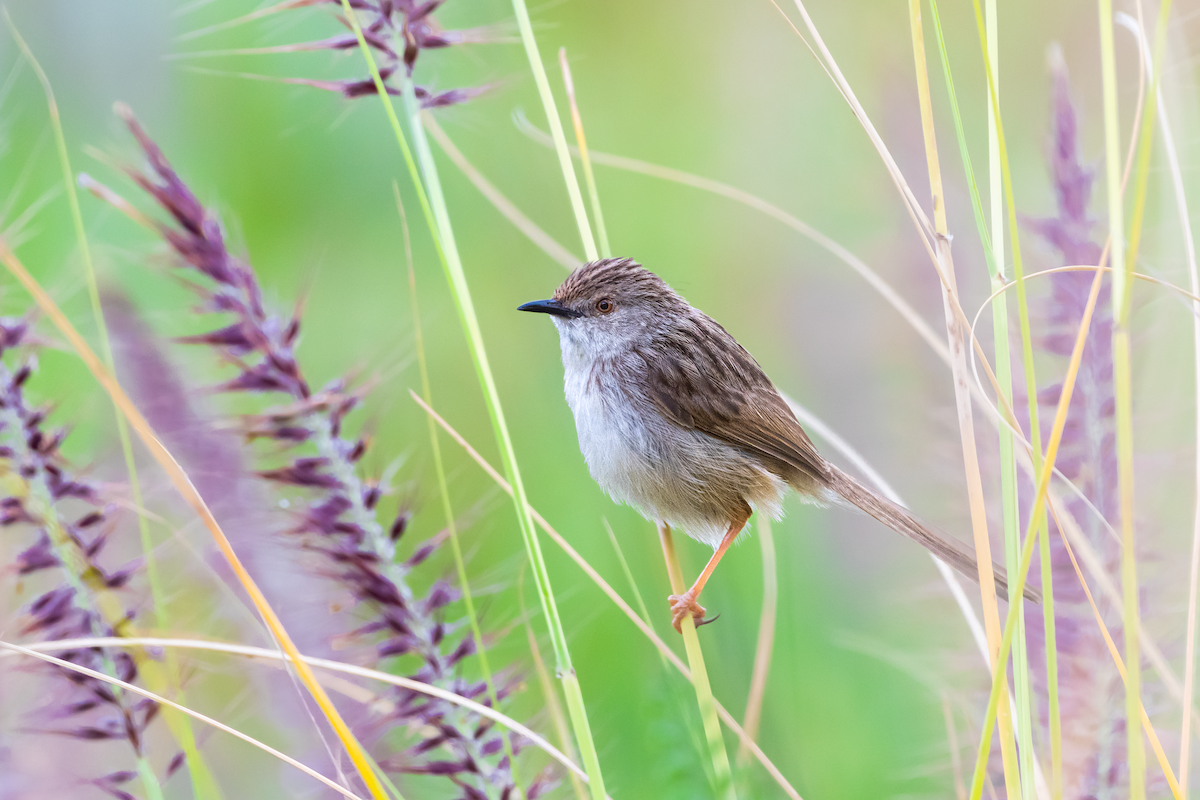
869 645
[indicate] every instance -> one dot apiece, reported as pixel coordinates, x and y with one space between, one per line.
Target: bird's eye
605 306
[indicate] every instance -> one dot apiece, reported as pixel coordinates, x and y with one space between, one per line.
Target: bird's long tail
954 553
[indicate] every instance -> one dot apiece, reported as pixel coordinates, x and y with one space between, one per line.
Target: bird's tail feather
954 553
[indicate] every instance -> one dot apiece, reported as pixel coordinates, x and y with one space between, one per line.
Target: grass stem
722 778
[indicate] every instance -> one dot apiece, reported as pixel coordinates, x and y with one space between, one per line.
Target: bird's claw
684 604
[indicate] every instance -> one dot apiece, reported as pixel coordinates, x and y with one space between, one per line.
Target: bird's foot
684 604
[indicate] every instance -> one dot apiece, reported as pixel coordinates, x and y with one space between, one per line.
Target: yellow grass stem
165 677
444 491
184 486
991 616
556 129
766 638
588 176
425 179
1147 727
722 777
616 598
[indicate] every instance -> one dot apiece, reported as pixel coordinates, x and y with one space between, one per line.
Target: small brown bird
676 419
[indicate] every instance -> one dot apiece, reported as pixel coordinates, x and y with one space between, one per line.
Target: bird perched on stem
676 419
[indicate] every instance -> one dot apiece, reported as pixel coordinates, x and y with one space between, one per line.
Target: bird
678 420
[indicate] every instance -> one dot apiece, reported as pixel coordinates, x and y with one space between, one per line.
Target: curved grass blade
129 687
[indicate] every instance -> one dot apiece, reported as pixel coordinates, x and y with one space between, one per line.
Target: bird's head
608 304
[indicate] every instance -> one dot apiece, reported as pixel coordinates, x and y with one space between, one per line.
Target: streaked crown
622 279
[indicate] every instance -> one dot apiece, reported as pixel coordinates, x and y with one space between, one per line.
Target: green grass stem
1009 508
1123 391
433 204
556 129
722 777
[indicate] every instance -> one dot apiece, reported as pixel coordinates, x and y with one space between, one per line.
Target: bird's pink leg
683 604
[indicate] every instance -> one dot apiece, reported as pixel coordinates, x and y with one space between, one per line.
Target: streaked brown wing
701 379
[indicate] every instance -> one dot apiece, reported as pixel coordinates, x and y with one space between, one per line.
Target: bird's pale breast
683 477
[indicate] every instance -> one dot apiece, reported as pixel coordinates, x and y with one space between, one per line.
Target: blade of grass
203 783
444 490
437 217
187 490
556 130
991 617
581 141
129 687
612 594
571 690
766 638
722 778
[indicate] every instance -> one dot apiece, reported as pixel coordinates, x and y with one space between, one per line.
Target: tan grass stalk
184 486
157 676
987 584
129 687
960 789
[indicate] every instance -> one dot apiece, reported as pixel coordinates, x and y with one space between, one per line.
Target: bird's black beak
550 307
